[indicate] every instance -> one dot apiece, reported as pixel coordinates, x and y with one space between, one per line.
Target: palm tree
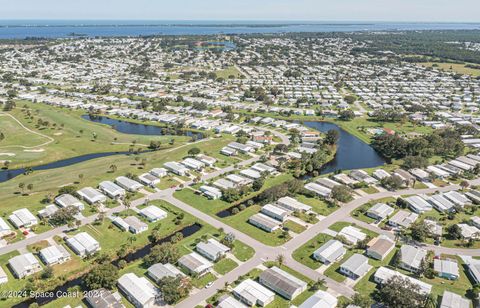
113 168
280 259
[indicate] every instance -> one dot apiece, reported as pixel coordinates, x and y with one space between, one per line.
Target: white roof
153 212
383 274
137 287
331 250
352 234
320 299
253 291
453 300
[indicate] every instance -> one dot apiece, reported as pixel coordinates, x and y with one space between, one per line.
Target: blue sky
319 10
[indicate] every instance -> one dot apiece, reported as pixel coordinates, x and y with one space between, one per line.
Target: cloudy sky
282 10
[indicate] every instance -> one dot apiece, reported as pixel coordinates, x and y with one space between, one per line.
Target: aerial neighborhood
318 170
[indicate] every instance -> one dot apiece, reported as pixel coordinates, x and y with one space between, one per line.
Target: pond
134 256
352 153
6 175
137 129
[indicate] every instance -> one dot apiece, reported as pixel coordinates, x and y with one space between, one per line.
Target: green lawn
73 136
240 222
200 202
226 73
318 206
457 68
17 136
224 266
49 181
294 227
242 251
370 190
305 252
338 226
333 270
201 282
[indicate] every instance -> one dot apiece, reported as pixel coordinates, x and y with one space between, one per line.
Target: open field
456 68
17 136
49 181
72 136
227 72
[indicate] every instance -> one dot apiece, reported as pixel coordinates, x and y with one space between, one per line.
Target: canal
131 257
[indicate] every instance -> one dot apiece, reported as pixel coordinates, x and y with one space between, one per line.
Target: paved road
264 252
56 231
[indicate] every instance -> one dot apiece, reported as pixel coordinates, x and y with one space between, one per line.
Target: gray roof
357 264
159 271
282 280
412 256
103 298
134 222
452 300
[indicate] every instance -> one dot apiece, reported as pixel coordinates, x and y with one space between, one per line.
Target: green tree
102 276
174 288
400 292
342 193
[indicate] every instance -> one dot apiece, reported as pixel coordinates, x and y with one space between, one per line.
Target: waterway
21 29
6 175
137 129
352 153
120 126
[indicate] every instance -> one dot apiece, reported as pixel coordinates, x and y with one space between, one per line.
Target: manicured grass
226 73
240 222
111 237
338 226
200 202
49 181
305 252
201 282
167 182
242 251
360 213
333 270
359 126
318 206
294 227
370 190
420 185
73 136
17 136
38 246
224 266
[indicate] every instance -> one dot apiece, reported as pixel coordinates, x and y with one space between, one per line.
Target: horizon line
241 20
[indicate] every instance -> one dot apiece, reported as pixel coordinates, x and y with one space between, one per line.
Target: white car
208 285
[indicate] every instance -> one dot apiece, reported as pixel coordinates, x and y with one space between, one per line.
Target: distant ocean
20 29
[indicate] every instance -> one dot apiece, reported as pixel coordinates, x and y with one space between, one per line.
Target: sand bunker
35 151
7 154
